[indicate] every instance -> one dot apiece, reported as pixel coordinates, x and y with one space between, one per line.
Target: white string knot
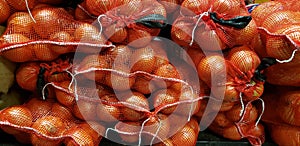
196 25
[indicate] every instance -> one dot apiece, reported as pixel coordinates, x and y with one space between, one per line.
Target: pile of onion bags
281 115
219 23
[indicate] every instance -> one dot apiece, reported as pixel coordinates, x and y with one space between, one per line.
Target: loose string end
288 60
28 9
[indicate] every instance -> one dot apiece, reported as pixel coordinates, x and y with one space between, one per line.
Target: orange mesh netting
278 25
282 121
48 122
125 21
140 95
45 32
241 121
238 71
236 84
221 24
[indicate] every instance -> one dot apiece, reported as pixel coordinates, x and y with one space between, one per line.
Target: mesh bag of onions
139 95
219 23
236 83
125 21
47 122
45 32
278 25
282 121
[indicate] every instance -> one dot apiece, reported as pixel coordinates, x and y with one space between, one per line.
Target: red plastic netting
282 121
45 33
278 25
123 87
48 123
125 21
221 24
236 85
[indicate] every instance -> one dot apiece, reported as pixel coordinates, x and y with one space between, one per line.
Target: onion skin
84 110
108 113
50 126
284 134
143 59
25 53
17 115
27 75
130 127
290 107
21 5
38 108
43 18
260 13
20 23
185 136
66 99
4 11
79 137
136 99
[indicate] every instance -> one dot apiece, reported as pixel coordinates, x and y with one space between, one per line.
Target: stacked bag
97 69
278 25
95 73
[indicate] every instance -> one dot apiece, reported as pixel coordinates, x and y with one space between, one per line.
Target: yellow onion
138 38
195 6
115 34
261 12
118 82
243 58
17 115
49 126
290 108
281 48
185 136
4 11
247 34
38 107
97 7
61 36
66 99
25 53
164 97
226 6
95 130
21 5
44 52
79 136
284 134
135 99
21 22
277 19
43 18
84 110
222 120
156 123
108 112
59 110
97 62
143 59
133 128
211 66
27 75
